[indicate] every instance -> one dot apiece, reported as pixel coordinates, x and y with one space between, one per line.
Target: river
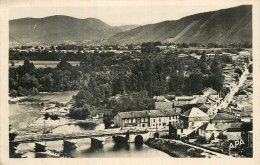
22 114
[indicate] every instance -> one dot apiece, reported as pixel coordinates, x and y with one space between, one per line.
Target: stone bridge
97 137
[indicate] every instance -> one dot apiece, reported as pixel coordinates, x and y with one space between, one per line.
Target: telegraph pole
44 127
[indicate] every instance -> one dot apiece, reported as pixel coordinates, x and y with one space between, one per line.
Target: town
201 96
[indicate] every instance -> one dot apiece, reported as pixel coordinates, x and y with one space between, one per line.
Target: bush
46 116
54 117
201 140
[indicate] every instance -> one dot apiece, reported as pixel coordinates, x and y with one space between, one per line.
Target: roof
245 114
148 113
222 126
219 126
199 100
223 116
195 112
133 114
183 98
180 103
171 112
234 127
212 91
156 113
248 108
204 107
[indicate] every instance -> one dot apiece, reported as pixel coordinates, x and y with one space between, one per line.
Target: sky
114 13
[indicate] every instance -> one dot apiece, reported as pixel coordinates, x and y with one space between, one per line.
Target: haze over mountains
227 25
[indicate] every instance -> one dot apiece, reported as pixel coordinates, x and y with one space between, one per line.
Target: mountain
127 27
59 29
226 25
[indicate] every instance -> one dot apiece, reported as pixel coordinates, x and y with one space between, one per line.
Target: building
146 118
195 115
162 118
133 118
209 91
223 118
161 103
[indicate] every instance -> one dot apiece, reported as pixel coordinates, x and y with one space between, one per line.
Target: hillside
226 25
59 29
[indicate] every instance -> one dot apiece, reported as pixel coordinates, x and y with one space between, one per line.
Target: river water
22 114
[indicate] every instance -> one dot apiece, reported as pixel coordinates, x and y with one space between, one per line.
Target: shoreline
178 150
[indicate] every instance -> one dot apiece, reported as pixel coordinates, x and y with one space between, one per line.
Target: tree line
28 80
128 82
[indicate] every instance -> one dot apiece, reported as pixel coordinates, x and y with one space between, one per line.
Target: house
209 130
133 118
210 56
162 118
194 118
205 108
194 114
209 91
180 102
146 118
177 130
245 117
223 118
231 130
234 131
161 103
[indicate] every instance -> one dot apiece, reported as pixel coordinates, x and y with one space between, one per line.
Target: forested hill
226 25
59 29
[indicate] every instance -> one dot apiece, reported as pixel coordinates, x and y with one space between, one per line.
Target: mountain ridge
225 25
203 27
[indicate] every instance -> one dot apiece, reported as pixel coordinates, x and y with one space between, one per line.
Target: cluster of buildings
242 103
173 110
189 116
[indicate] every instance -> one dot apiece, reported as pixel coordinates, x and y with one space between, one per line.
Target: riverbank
176 149
28 109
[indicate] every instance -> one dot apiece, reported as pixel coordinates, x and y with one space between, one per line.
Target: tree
222 137
238 71
250 68
201 140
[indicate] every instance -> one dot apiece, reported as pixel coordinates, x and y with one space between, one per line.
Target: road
229 97
218 155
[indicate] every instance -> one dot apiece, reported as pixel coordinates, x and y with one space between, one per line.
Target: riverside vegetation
121 82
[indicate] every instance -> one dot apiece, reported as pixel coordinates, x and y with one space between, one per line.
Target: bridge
98 138
78 135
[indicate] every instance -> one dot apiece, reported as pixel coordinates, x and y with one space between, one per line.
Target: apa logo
237 143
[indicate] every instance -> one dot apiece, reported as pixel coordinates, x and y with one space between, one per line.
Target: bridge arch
156 135
139 140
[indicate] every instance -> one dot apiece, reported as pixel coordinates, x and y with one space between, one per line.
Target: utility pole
43 126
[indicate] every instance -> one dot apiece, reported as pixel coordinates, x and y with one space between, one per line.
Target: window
177 117
159 124
181 130
170 118
130 120
153 120
146 119
159 120
142 119
125 120
134 120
